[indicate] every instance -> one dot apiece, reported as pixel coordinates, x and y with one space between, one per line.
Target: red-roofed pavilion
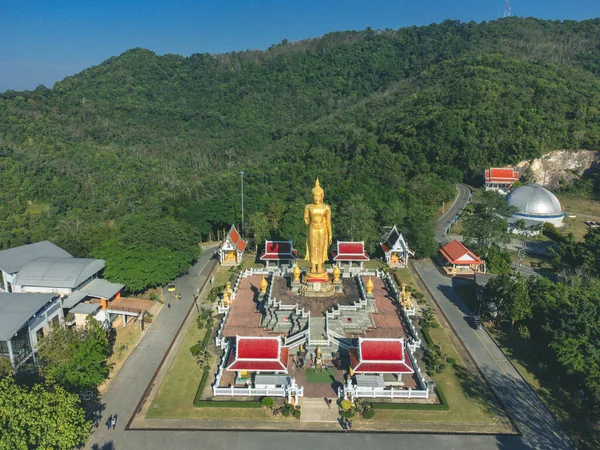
500 179
380 356
281 252
256 354
350 252
232 248
460 257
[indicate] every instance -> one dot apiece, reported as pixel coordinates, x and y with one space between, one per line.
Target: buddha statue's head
318 193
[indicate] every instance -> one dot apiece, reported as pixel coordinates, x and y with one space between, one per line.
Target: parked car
477 323
171 288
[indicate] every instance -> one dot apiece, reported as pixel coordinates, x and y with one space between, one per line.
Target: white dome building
536 205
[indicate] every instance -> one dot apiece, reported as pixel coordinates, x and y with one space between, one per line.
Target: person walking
169 304
114 421
109 422
329 402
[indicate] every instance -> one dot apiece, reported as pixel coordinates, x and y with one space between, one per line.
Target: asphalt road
127 388
539 428
444 222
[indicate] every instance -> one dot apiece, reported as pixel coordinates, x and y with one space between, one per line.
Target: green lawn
537 365
176 394
316 376
466 396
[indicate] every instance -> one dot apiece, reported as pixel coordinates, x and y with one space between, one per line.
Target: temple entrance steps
317 329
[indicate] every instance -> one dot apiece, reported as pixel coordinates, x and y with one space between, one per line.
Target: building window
39 334
21 345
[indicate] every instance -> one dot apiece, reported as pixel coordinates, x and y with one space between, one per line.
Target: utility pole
242 177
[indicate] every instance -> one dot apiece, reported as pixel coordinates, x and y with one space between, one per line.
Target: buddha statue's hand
330 240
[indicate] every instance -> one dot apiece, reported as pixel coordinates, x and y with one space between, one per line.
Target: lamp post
242 178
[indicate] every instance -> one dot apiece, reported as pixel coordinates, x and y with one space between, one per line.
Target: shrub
369 413
195 349
451 361
346 404
287 412
267 402
297 414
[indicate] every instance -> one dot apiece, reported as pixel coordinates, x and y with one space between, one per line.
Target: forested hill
389 120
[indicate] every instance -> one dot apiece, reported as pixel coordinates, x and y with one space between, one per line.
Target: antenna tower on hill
506 9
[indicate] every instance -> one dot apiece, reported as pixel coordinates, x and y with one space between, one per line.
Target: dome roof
534 199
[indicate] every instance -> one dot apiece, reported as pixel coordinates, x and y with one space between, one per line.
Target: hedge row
227 404
201 389
207 336
427 337
442 406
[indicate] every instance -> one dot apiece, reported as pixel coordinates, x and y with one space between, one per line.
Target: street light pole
242 177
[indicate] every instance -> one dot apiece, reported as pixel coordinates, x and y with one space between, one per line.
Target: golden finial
317 188
369 286
297 273
336 273
263 285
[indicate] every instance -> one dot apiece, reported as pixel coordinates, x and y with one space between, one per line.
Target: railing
219 338
338 338
291 341
124 309
418 373
361 392
253 392
222 364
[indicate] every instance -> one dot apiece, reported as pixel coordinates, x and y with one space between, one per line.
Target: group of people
111 422
176 297
346 424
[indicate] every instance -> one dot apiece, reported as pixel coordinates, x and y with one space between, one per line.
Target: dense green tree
259 228
75 358
487 224
41 417
356 222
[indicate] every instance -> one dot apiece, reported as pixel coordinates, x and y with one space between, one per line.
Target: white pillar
124 320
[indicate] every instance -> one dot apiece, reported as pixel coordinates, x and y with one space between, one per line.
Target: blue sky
43 41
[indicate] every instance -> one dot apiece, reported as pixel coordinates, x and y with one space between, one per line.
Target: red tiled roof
234 235
252 348
381 350
381 356
350 251
456 253
276 250
236 239
497 175
384 368
259 354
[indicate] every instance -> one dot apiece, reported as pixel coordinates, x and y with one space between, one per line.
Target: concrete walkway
539 428
316 410
127 388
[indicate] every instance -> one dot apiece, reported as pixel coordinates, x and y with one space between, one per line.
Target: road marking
488 350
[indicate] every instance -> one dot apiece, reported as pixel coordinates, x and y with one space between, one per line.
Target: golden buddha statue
317 216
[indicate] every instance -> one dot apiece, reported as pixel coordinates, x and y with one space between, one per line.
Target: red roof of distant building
456 253
236 239
381 356
278 250
259 354
497 175
350 251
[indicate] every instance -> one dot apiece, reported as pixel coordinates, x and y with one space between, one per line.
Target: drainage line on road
151 383
462 344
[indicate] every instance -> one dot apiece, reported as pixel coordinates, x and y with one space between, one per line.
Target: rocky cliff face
559 165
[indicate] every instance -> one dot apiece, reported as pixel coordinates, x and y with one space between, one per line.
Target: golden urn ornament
297 273
263 285
336 273
369 286
403 286
317 216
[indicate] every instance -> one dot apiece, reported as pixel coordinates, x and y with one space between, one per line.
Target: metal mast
506 9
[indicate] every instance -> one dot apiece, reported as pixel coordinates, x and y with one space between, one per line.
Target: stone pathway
316 410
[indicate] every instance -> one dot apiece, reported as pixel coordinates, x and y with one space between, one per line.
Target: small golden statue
297 273
336 274
263 285
403 286
369 286
317 216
